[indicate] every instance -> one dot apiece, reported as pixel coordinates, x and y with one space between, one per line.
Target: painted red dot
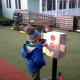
52 37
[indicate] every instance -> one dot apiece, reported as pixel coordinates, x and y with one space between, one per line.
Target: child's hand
45 44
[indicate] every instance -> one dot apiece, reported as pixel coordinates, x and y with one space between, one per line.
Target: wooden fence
78 22
67 22
57 22
33 18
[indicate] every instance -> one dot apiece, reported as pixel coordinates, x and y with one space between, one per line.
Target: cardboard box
56 44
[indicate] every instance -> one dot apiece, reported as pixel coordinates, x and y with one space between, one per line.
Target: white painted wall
8 13
24 4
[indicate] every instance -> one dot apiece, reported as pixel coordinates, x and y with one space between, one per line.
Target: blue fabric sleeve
23 53
40 46
41 31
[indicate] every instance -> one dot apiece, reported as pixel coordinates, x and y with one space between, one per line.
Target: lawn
11 42
4 19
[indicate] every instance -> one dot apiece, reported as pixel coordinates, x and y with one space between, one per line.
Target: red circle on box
52 37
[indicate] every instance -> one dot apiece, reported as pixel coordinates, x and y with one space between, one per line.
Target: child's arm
40 46
23 51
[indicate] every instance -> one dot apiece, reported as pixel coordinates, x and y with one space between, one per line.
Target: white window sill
17 9
8 9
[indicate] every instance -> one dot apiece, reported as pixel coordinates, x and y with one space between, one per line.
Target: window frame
53 5
62 5
43 5
17 4
47 6
72 4
8 4
78 4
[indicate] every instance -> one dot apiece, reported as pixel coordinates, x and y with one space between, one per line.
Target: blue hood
24 52
25 49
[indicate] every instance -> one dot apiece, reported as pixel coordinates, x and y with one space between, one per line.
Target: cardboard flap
62 48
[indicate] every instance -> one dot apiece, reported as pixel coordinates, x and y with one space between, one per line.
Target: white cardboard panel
60 44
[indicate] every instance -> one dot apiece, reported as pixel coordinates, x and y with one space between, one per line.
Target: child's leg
35 76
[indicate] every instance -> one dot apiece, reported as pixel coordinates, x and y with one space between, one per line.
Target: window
18 4
53 4
0 4
64 4
60 5
72 3
49 5
8 4
76 4
79 4
43 5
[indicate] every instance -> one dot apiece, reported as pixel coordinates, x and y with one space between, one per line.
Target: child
31 51
46 29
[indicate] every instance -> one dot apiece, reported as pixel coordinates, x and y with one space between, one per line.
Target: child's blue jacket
43 31
33 55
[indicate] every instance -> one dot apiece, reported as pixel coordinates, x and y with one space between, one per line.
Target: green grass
4 19
11 42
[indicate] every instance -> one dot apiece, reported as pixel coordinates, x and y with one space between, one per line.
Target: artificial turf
11 42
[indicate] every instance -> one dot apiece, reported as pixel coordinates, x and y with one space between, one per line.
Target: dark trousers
35 76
